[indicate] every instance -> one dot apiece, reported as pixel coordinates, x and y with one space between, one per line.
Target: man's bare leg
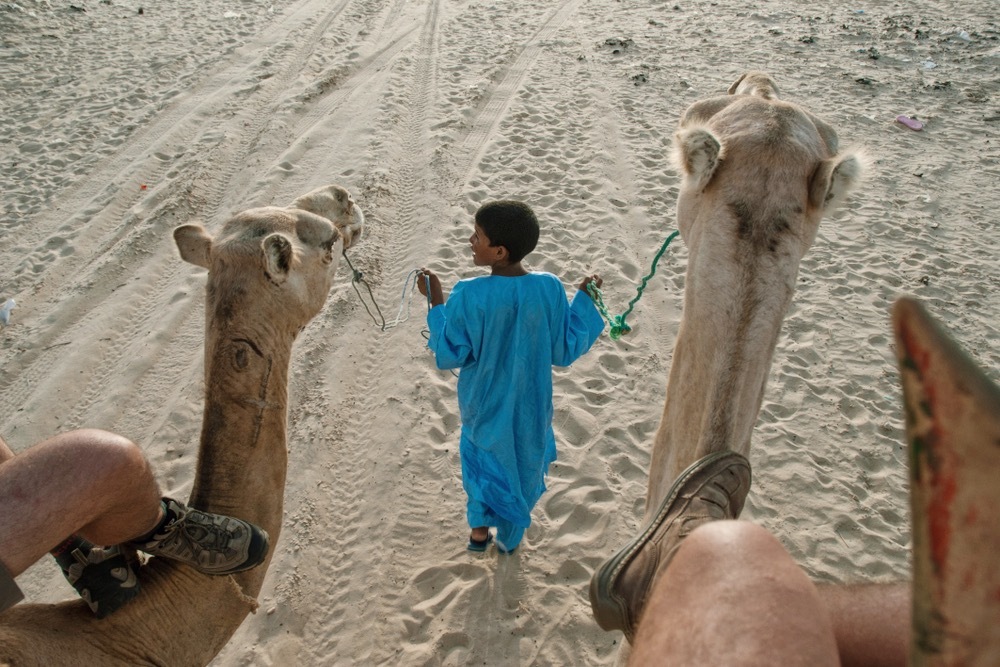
871 622
94 483
732 595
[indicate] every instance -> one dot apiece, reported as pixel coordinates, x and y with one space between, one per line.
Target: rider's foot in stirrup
103 576
211 543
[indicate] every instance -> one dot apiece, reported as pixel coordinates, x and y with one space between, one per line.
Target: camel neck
242 456
721 361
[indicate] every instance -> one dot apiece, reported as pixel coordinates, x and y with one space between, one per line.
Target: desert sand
122 120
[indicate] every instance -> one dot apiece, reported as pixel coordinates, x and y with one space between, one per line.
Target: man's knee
115 455
719 540
733 595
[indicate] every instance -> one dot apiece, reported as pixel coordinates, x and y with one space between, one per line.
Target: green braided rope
617 322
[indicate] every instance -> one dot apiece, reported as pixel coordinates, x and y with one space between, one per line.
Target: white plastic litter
5 311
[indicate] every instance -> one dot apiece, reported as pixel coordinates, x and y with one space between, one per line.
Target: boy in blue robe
505 331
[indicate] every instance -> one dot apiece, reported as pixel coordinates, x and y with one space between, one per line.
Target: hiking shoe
210 543
711 489
103 576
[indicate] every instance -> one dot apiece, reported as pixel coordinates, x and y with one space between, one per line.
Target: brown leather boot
708 490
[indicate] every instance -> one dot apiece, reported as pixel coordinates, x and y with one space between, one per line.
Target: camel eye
328 251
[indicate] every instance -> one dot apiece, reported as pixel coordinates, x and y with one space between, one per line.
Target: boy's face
483 253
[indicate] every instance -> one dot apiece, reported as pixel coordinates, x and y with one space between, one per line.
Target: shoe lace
205 533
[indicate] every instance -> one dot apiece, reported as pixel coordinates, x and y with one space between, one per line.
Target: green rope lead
617 322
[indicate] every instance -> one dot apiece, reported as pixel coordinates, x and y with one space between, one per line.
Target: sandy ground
119 125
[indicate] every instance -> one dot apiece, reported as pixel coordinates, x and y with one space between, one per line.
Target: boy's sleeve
449 337
583 325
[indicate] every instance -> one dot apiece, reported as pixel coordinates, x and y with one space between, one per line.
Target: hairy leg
733 596
88 482
871 622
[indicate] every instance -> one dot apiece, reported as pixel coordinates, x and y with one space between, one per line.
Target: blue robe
505 334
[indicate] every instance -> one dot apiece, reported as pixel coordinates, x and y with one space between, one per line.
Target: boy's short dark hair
511 224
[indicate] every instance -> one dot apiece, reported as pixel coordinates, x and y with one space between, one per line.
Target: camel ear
833 179
755 83
736 84
697 153
278 255
195 244
826 133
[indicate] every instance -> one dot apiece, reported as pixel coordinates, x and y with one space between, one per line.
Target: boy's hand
596 279
425 276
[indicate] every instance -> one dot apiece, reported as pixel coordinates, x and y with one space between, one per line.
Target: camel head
275 263
755 83
758 172
335 204
757 176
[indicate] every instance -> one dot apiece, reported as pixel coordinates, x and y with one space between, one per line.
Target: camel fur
757 176
269 273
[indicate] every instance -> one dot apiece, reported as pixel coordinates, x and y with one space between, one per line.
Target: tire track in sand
378 397
145 155
427 573
485 125
343 387
118 224
122 249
